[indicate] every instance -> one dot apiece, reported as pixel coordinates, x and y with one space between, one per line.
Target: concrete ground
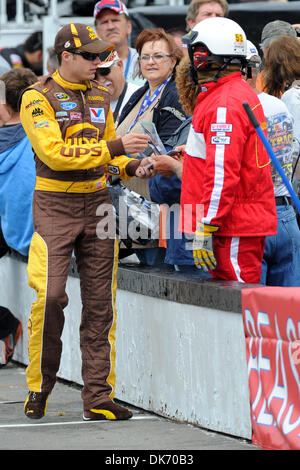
63 428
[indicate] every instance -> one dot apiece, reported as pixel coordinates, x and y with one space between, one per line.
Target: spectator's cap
80 37
108 59
273 30
116 5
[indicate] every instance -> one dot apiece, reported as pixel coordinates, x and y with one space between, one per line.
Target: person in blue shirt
17 180
17 166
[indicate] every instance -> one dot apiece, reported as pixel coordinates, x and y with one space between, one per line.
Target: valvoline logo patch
97 115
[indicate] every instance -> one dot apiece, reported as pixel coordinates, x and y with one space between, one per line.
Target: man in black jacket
28 55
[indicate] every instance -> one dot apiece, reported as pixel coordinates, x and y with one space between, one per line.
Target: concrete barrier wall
178 354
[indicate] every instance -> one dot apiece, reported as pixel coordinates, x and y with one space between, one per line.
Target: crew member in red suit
227 197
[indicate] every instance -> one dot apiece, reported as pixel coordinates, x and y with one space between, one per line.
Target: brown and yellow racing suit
71 129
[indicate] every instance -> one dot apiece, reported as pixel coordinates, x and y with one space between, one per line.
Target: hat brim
97 46
115 10
107 65
268 41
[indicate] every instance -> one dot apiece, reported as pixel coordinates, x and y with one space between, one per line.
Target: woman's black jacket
167 114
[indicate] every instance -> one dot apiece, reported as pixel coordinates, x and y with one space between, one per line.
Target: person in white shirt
281 260
112 24
110 74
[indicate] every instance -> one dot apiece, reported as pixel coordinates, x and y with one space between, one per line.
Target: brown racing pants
63 223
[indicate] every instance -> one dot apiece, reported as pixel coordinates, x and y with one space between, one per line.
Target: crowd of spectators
157 82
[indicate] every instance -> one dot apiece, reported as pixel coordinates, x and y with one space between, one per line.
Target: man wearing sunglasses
110 74
69 123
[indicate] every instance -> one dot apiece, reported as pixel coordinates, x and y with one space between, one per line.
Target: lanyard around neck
148 100
127 64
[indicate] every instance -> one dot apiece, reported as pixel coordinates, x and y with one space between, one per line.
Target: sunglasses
103 71
87 55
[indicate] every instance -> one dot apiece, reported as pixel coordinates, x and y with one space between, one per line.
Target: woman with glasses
157 101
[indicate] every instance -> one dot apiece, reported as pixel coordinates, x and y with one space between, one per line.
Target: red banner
272 328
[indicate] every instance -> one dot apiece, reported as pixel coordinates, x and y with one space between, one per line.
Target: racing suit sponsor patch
37 112
61 113
95 98
100 87
69 105
97 115
33 103
115 170
61 96
220 139
40 124
219 127
76 116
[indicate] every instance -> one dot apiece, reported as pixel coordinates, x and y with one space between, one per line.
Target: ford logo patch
68 106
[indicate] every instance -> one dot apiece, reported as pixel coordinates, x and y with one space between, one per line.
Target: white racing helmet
251 50
216 40
253 59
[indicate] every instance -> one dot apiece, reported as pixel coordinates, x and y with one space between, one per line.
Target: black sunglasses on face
87 55
103 71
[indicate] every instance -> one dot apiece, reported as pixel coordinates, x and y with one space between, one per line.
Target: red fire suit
226 178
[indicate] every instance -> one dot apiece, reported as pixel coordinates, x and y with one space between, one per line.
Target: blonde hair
188 90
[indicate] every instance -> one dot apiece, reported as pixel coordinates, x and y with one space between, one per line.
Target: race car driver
68 120
226 178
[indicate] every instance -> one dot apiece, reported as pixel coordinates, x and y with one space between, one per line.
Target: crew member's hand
135 143
145 170
166 165
181 150
203 250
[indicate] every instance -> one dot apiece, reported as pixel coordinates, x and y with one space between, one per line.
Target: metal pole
53 8
3 13
19 12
